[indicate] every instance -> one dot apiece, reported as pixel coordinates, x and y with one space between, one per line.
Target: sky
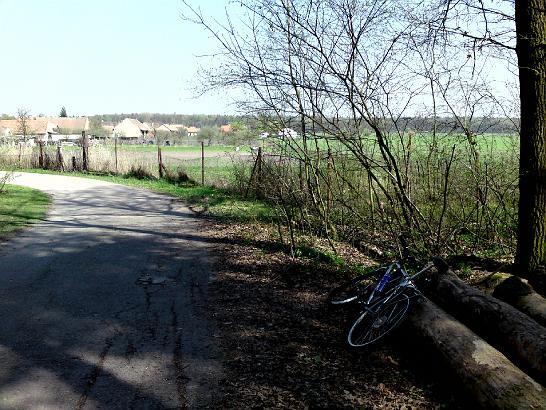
111 56
104 56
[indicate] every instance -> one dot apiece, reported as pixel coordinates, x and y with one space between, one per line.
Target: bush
139 172
178 178
5 179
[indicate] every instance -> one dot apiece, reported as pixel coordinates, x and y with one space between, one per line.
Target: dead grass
284 349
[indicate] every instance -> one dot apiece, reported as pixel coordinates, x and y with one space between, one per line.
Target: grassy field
20 206
216 149
219 160
421 141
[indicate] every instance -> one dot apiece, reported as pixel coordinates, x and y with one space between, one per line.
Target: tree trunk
531 51
514 333
519 294
492 380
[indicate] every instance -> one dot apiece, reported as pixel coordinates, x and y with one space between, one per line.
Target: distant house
167 128
192 131
69 128
35 129
226 129
287 133
132 129
108 127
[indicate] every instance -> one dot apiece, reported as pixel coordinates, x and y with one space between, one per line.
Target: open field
20 206
462 193
219 160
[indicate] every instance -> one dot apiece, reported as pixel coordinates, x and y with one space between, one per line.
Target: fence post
85 152
116 152
302 184
329 168
259 160
74 166
41 157
203 163
160 162
257 167
60 160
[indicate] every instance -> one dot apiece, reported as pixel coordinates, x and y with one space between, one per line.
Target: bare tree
23 123
346 73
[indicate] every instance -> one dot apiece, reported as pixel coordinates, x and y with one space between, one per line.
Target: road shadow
104 305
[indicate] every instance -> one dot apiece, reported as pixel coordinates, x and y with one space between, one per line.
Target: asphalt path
103 304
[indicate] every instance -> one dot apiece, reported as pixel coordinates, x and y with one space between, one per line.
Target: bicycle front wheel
370 326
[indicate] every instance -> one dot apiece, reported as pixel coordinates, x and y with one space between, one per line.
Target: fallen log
518 293
493 381
514 333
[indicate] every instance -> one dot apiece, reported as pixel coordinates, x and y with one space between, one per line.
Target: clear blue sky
103 56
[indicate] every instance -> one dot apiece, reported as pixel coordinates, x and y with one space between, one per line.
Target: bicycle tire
351 291
372 326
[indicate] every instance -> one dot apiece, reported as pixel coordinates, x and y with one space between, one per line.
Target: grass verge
218 203
20 206
227 207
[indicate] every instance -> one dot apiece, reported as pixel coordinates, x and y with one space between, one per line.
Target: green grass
192 149
20 206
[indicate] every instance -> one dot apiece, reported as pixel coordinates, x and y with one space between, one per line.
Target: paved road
103 304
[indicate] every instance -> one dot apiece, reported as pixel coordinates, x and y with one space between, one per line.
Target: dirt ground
284 348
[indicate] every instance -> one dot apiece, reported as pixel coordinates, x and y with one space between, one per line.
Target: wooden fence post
302 183
60 159
329 168
41 157
74 166
116 152
203 163
255 174
85 152
160 162
259 160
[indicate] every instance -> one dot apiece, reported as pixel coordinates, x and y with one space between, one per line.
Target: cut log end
512 288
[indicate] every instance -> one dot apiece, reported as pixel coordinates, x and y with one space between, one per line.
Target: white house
46 129
287 133
35 129
192 131
132 129
69 128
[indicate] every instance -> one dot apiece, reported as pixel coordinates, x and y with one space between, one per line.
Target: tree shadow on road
105 311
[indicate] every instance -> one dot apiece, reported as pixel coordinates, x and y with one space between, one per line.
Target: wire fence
211 165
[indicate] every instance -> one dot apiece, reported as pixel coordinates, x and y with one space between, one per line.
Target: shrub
178 178
4 179
139 172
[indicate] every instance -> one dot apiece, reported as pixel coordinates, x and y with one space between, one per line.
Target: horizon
100 56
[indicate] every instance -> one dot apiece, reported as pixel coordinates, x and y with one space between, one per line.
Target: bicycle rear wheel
371 326
354 289
349 292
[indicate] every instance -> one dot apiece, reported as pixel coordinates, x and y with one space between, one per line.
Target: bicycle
383 304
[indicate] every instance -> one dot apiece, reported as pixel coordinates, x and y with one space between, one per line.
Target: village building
192 131
226 129
48 130
167 128
132 130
